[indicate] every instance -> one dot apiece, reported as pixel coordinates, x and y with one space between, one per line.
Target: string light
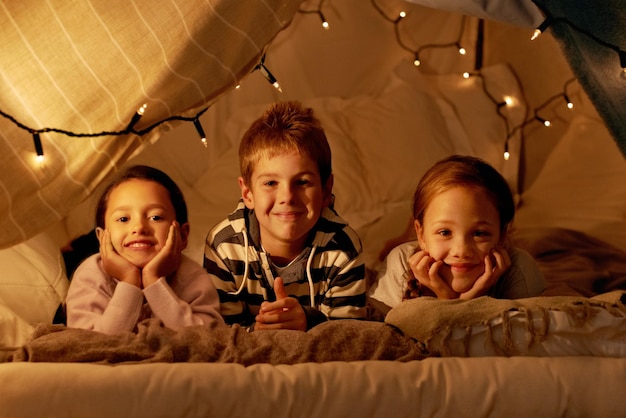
318 12
416 53
267 74
137 116
546 122
550 20
541 28
38 146
200 130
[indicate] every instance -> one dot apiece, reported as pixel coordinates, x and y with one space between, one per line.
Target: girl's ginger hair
462 171
285 127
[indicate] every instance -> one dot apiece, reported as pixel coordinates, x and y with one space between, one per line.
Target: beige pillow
539 326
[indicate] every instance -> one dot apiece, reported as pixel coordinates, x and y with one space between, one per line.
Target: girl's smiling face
460 226
138 217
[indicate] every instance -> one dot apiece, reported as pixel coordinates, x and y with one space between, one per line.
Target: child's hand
167 260
426 271
285 313
491 275
115 265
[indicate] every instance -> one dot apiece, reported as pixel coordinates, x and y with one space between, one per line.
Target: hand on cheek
285 313
426 271
167 260
496 263
114 264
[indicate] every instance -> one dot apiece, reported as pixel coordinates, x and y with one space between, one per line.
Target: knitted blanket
341 340
427 318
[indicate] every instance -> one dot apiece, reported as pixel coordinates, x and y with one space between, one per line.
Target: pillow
14 332
573 191
32 279
539 326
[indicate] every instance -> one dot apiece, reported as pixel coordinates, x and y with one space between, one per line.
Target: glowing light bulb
462 51
544 25
325 24
509 100
402 14
200 130
536 34
466 75
507 155
417 61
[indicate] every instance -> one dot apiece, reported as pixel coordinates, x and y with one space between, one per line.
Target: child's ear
420 235
184 234
99 233
246 194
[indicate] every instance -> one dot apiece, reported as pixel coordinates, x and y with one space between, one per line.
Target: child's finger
279 289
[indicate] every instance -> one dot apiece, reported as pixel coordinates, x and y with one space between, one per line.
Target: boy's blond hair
285 127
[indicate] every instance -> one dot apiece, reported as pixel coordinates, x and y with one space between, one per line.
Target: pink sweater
102 303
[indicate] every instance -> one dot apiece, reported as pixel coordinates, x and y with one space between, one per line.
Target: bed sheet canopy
73 72
76 78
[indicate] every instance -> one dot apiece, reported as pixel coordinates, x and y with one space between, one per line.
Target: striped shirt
244 275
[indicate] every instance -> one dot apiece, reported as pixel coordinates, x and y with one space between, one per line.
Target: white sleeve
390 282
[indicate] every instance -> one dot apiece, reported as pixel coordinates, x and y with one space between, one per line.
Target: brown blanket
342 340
574 263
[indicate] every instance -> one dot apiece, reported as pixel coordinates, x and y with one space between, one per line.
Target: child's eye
122 219
303 182
156 218
482 234
444 232
270 183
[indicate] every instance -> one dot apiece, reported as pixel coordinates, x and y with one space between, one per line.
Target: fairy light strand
550 20
318 12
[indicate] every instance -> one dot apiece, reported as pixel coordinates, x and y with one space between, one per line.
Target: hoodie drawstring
246 266
309 276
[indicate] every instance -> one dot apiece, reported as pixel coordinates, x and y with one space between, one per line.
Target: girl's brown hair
143 172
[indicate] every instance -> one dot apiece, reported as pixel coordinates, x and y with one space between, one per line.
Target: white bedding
459 387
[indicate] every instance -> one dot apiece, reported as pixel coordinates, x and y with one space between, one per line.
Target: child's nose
140 226
462 247
286 193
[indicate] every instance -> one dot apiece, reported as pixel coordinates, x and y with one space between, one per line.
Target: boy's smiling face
287 195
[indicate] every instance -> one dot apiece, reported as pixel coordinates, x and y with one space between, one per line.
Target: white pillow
581 185
14 332
32 280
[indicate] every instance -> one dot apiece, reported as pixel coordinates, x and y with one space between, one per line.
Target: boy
284 259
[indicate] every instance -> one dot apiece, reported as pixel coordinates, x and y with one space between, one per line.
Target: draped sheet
86 68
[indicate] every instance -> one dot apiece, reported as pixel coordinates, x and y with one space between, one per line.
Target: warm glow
535 34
